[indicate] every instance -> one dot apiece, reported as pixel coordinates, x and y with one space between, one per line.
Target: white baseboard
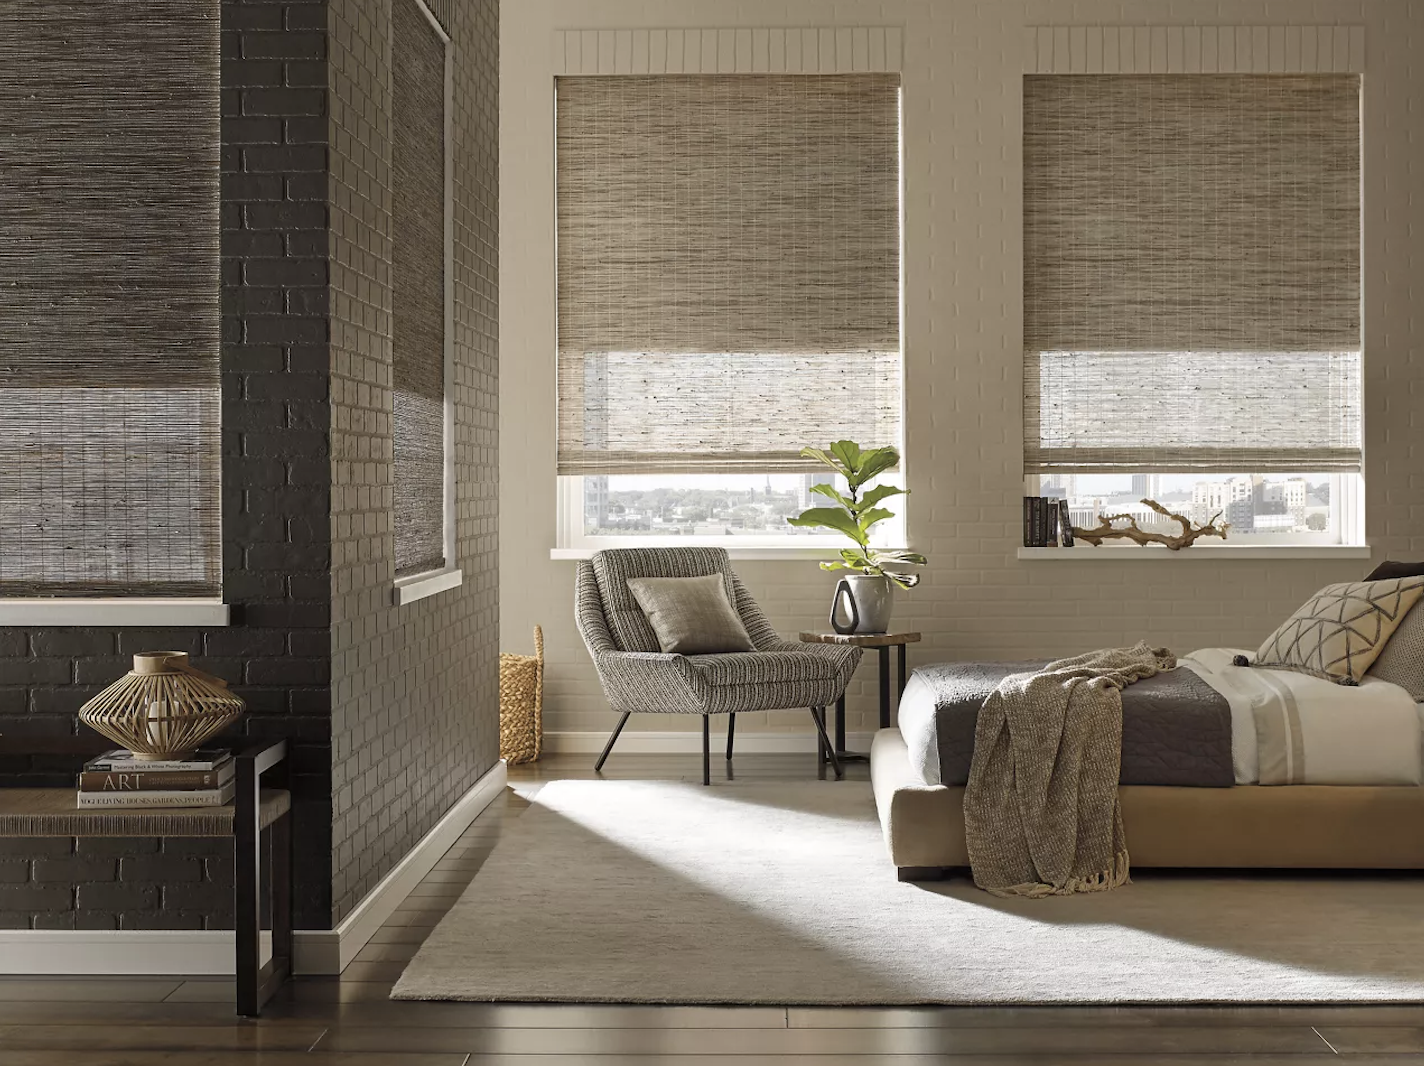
678 742
126 952
196 953
330 951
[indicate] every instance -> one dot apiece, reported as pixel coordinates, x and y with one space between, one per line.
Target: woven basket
521 703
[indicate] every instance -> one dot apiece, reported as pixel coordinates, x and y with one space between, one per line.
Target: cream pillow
691 615
1341 630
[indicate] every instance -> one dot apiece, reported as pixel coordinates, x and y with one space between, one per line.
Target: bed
1222 766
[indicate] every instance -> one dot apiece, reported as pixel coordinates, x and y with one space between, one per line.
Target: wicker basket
521 703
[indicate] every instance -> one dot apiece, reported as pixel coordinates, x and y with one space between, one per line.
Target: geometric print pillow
1341 630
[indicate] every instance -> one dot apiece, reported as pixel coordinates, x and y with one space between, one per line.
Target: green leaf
848 452
829 518
866 519
880 492
877 461
904 581
824 459
896 556
831 492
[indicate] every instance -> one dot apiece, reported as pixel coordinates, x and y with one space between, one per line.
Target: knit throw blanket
1041 813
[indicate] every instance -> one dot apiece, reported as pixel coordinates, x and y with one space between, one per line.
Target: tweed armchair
638 678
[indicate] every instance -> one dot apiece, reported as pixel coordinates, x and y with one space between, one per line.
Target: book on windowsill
156 780
202 797
203 761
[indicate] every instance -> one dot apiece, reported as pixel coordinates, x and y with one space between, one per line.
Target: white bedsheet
1290 728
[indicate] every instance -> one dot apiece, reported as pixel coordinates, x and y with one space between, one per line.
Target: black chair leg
612 738
731 729
818 716
706 749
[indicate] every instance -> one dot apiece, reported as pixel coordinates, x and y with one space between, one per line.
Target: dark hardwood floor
152 1021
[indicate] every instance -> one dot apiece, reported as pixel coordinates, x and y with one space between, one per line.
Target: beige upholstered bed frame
1291 826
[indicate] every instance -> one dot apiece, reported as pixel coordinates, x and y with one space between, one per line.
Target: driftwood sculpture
1105 530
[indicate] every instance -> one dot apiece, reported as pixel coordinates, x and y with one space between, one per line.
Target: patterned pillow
1339 632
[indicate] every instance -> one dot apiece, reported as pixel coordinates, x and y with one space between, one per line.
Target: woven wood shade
1192 273
109 386
729 269
418 283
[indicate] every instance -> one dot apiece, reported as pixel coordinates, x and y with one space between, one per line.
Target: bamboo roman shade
1192 273
418 288
729 269
110 409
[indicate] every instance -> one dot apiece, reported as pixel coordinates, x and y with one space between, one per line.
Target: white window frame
1345 535
419 586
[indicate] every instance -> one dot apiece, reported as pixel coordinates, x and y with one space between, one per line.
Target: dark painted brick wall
415 691
276 518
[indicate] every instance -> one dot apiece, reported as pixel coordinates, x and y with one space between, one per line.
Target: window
1262 509
1192 290
421 325
110 404
728 292
734 510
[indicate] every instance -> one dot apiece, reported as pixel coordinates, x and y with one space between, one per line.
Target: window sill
1197 551
419 586
114 612
764 553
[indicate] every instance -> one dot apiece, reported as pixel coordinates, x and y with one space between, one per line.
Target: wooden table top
861 640
53 812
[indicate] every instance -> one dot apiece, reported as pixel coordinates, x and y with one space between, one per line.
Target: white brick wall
962 67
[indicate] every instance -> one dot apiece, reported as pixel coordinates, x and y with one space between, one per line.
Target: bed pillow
1390 568
691 615
1339 632
1402 661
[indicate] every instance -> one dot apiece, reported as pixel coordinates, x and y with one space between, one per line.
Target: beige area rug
649 892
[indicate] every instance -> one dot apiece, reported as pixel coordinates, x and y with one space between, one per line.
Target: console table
882 643
255 816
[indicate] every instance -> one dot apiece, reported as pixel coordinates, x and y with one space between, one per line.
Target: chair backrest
612 568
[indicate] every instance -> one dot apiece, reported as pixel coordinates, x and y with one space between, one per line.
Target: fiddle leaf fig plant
855 512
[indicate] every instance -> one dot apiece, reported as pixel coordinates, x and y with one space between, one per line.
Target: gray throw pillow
691 615
1402 661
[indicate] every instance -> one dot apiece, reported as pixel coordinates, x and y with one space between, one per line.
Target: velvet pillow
691 615
1339 632
1402 661
1390 569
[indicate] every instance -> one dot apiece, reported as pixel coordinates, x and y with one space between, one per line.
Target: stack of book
1046 523
119 778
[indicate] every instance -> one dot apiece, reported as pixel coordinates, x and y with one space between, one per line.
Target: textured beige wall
963 323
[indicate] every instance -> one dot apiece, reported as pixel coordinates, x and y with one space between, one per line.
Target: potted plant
863 600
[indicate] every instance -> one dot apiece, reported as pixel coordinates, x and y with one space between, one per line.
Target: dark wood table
255 817
882 643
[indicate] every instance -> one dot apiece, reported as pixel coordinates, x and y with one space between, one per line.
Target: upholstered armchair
638 678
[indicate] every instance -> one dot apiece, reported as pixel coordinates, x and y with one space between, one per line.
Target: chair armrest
646 681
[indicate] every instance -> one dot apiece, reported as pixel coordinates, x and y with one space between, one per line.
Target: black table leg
840 724
900 654
247 899
884 687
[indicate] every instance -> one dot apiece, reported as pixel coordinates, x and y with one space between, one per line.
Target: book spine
1039 538
199 798
161 780
1065 520
1050 522
1028 522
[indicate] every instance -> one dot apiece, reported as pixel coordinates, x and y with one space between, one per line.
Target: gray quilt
1176 729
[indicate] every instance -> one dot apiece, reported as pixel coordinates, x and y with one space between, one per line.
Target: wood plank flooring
154 1021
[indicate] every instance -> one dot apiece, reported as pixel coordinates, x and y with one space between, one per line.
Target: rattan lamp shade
162 708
